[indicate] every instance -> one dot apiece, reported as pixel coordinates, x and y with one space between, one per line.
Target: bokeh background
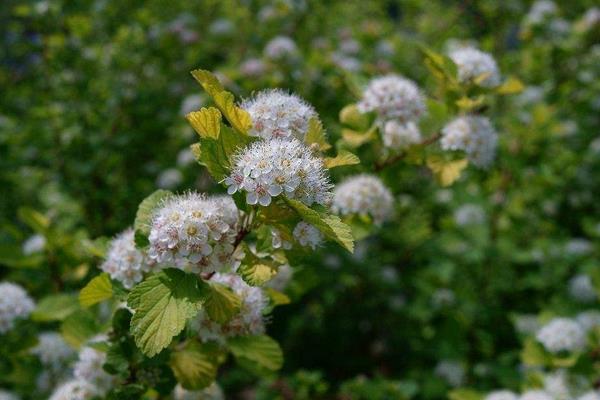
445 296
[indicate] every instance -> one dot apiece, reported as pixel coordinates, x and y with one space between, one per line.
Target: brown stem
392 160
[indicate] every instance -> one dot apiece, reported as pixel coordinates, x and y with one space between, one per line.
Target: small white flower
582 289
194 233
578 247
561 334
280 48
536 395
450 371
307 235
393 97
4 395
364 195
469 214
54 353
253 67
34 244
15 304
124 262
278 242
283 277
556 384
399 136
75 390
474 65
501 395
267 169
169 178
474 135
527 324
541 11
588 320
276 114
249 320
88 368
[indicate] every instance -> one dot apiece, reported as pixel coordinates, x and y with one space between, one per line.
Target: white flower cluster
253 67
124 262
54 353
474 135
267 169
34 244
536 395
249 321
280 48
283 277
364 195
15 304
591 395
540 12
562 334
74 390
450 371
557 385
469 214
276 114
307 235
194 232
399 136
476 65
88 368
588 320
4 395
582 289
393 97
213 392
501 395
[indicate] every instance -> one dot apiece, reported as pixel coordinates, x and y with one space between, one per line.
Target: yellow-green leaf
351 116
467 104
78 327
316 135
195 366
238 118
55 307
262 350
464 394
446 172
208 81
207 122
511 86
221 303
97 290
277 298
357 139
343 158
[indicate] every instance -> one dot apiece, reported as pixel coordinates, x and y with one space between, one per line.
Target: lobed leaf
221 303
206 122
446 172
316 135
143 217
97 290
343 158
261 349
195 366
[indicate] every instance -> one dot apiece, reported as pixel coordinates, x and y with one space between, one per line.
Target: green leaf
35 220
464 394
435 118
262 350
357 139
511 85
97 290
277 298
316 135
79 327
467 104
330 225
533 354
195 366
446 172
221 303
143 217
353 118
343 158
208 81
55 308
163 303
207 122
254 270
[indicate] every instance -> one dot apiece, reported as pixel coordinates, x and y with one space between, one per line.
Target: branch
392 160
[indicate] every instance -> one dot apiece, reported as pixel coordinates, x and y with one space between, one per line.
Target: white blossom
249 320
267 169
124 262
34 244
590 18
476 66
591 395
582 289
75 390
556 384
282 278
88 368
213 392
540 12
398 136
4 395
450 371
443 297
278 242
535 395
393 97
185 157
578 247
169 178
194 233
474 135
253 67
364 195
501 395
277 114
281 47
561 334
307 235
469 214
191 103
588 320
53 352
527 324
15 304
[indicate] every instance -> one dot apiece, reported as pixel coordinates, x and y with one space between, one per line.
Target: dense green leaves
162 303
